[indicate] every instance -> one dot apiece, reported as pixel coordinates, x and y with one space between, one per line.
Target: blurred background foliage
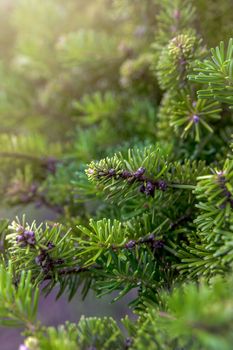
76 82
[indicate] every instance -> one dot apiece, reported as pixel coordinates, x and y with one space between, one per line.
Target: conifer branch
122 94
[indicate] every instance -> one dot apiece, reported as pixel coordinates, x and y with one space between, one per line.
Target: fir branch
116 175
217 74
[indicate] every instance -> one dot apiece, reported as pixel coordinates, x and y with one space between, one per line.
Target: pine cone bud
30 237
112 172
130 244
162 185
126 174
139 172
150 189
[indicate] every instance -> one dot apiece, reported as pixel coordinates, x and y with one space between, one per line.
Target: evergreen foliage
131 89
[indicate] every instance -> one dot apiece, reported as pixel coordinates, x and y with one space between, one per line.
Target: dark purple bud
150 189
30 237
195 119
147 239
59 261
50 245
128 342
162 185
31 241
150 237
158 244
40 258
112 172
139 172
130 244
47 263
227 194
142 189
221 180
19 238
29 234
126 174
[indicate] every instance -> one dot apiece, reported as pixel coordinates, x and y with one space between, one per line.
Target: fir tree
152 116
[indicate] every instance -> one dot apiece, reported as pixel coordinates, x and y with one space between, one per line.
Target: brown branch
74 270
181 220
